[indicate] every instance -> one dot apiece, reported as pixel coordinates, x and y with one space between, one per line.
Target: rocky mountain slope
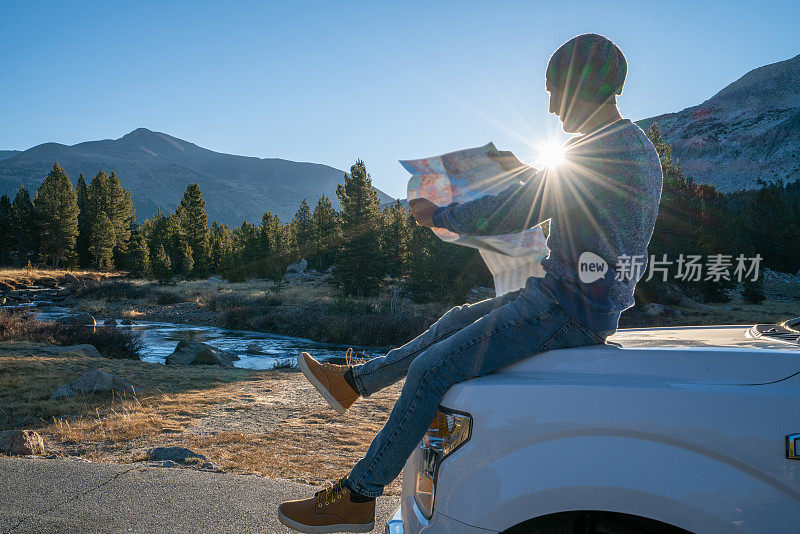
157 167
750 130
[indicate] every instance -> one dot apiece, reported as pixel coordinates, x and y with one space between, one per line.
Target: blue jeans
467 341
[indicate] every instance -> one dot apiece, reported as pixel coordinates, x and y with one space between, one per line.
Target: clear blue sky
330 82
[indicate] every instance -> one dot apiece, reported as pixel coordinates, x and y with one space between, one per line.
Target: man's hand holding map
468 174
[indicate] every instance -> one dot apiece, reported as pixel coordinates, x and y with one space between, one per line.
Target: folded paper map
463 176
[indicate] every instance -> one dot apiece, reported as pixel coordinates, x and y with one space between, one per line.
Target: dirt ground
267 422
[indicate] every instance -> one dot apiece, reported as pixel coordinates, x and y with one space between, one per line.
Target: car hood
707 355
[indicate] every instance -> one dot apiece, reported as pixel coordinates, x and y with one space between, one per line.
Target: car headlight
447 432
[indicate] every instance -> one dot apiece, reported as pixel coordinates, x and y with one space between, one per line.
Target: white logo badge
591 267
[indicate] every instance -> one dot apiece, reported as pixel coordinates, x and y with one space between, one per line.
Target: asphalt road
47 496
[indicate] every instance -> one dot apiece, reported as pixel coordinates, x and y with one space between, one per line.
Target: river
159 340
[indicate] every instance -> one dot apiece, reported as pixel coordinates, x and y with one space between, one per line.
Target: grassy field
267 422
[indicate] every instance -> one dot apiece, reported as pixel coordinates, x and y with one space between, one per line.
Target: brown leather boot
329 380
329 510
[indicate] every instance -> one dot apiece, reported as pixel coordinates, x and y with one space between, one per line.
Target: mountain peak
156 142
746 132
142 133
138 132
776 85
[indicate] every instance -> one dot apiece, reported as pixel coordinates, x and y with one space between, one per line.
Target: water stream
257 350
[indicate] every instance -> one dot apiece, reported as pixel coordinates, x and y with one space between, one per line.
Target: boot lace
330 494
350 360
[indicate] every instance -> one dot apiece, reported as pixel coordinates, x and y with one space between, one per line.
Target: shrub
227 301
331 324
112 291
19 325
753 291
165 298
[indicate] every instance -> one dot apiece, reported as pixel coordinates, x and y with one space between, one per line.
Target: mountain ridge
157 167
746 132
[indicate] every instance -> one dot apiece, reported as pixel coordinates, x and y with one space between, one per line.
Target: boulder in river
21 442
126 322
110 322
78 319
94 381
196 353
255 348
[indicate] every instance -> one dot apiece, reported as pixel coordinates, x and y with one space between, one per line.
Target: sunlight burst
551 154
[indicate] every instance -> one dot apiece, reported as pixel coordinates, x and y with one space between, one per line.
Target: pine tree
269 234
671 167
248 242
195 227
421 270
127 218
175 241
359 269
155 231
440 271
162 265
23 223
105 194
101 246
690 221
56 208
326 234
221 245
5 230
302 228
82 244
274 243
138 254
395 236
187 258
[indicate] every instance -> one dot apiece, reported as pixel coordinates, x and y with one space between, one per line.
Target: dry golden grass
28 375
267 422
132 314
18 276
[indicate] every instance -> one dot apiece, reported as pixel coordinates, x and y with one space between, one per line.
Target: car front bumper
441 525
395 524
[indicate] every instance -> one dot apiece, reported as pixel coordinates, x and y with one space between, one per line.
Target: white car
661 430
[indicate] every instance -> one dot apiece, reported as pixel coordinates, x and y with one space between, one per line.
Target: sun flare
551 154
